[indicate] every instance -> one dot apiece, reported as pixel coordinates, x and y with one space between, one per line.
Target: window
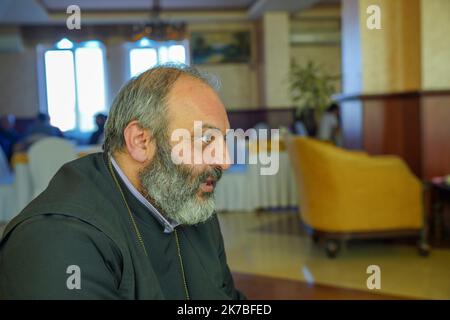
146 53
74 84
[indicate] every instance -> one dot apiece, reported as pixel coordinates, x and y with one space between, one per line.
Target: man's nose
225 162
217 155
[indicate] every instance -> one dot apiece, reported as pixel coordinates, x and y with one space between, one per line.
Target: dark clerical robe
76 241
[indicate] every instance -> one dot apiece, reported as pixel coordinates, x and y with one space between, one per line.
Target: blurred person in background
305 123
98 137
329 127
8 134
41 128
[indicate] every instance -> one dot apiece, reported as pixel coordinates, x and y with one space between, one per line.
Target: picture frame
217 47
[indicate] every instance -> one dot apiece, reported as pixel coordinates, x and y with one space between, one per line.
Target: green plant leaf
310 86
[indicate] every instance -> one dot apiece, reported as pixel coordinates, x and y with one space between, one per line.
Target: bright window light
60 80
142 59
144 42
177 53
64 43
90 85
163 54
91 44
155 53
75 85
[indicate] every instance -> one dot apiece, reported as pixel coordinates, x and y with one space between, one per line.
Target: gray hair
143 98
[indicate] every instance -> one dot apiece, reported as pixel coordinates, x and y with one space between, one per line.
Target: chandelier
158 29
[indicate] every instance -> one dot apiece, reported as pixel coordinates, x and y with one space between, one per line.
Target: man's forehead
191 99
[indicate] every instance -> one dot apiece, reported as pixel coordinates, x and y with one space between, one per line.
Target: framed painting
214 47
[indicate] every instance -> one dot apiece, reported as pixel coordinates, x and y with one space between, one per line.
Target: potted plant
311 89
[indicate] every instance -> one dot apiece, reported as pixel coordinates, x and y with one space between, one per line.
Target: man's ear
139 142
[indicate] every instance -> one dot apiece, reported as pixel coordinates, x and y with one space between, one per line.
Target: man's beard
174 189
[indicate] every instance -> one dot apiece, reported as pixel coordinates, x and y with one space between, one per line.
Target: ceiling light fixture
157 29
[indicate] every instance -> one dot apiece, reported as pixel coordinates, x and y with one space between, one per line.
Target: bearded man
130 223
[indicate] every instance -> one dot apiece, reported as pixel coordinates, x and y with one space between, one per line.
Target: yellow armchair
345 194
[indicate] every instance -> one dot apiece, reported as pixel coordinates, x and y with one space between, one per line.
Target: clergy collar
168 224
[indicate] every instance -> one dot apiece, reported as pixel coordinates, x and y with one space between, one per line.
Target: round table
243 188
23 187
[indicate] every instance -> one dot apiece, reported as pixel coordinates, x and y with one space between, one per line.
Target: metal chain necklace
139 236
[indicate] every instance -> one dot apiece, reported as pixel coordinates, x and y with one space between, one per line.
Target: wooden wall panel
373 124
392 126
412 125
245 119
435 134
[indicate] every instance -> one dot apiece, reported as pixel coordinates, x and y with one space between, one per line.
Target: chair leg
332 248
424 249
315 238
423 246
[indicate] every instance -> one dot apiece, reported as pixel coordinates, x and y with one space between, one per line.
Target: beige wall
391 55
276 52
435 16
238 81
238 87
241 84
411 51
18 83
318 24
327 56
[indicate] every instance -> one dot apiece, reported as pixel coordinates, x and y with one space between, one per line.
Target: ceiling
137 5
35 12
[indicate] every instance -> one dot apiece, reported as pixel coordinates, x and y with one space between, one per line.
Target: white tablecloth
7 200
23 187
248 190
